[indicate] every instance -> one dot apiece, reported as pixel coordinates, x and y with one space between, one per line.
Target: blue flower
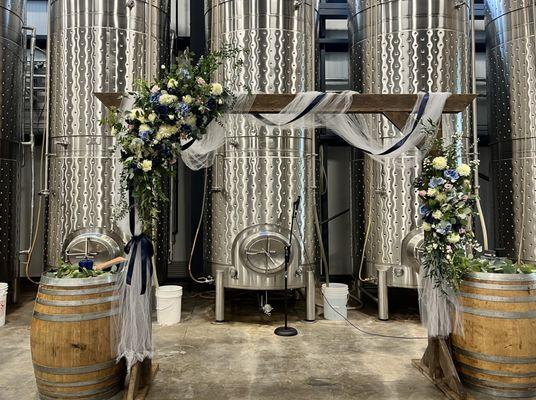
435 182
424 211
184 73
183 108
162 110
451 175
444 227
144 135
154 98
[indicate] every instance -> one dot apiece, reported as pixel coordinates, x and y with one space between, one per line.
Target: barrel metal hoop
501 299
54 292
495 359
479 285
496 373
521 386
485 276
500 314
500 393
100 393
70 282
72 303
75 370
75 317
77 383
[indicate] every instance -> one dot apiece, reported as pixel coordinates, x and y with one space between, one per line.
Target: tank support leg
383 300
310 300
220 297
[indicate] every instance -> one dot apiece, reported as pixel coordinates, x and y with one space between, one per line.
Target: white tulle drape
440 309
132 326
330 113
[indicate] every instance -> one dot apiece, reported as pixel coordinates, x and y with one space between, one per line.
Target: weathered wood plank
362 104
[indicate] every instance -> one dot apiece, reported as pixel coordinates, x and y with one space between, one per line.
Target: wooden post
141 377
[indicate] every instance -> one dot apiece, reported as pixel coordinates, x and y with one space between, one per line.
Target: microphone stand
288 330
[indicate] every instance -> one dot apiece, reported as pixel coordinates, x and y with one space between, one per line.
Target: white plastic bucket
3 302
335 298
168 304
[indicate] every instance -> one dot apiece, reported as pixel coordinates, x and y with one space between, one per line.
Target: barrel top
502 277
73 282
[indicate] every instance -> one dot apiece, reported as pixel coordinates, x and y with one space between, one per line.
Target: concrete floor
243 359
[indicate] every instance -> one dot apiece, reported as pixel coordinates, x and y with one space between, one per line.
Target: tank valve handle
267 309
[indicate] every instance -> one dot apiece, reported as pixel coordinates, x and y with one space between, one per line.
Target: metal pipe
475 131
31 142
45 191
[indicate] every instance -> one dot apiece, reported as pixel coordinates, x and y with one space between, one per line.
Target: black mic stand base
285 331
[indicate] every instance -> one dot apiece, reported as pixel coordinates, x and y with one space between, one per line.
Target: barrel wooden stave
497 354
75 359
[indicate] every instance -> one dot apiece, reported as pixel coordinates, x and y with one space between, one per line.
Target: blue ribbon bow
146 249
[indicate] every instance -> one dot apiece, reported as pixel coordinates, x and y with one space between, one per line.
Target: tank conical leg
220 297
310 301
383 301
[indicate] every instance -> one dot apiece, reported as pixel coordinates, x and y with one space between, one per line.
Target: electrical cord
382 335
203 279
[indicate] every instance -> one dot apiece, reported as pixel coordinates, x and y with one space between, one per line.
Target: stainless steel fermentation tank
511 41
12 60
95 46
400 46
260 172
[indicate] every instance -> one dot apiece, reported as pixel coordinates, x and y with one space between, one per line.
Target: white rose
216 89
172 83
191 120
144 128
437 214
152 117
166 131
431 192
136 113
167 99
426 226
439 163
146 165
187 99
463 170
453 238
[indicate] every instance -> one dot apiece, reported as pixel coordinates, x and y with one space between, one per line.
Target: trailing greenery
67 270
494 266
167 113
447 206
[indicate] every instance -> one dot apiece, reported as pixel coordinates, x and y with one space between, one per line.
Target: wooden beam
365 103
387 104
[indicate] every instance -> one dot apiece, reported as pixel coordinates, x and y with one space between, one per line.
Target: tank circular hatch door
94 244
262 248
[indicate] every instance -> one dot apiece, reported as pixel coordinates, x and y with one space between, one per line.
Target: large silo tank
260 172
511 75
95 46
12 60
402 46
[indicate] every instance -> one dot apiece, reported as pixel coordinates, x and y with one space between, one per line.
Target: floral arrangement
167 113
447 206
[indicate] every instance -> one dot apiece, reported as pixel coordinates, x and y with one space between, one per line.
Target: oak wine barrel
497 353
72 339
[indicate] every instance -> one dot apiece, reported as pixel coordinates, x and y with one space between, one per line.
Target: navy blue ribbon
401 142
393 148
187 145
306 111
138 241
